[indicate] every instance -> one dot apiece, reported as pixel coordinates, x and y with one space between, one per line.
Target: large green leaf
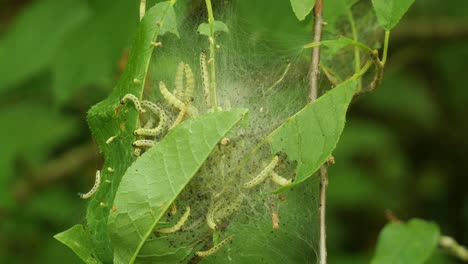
411 242
153 182
34 37
310 136
302 7
105 123
78 240
389 12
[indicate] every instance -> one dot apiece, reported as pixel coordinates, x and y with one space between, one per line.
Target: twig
313 91
314 66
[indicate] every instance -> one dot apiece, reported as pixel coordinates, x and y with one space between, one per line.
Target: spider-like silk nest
272 84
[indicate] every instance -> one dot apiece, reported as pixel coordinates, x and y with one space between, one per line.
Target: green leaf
310 136
255 240
105 123
154 180
158 250
204 28
34 37
411 242
302 8
389 12
78 240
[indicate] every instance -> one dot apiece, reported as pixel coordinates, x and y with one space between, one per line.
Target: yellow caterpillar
214 249
135 101
190 83
263 174
205 78
146 131
145 143
178 225
174 101
210 215
94 189
279 179
179 81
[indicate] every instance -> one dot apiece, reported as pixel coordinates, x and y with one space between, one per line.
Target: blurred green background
404 149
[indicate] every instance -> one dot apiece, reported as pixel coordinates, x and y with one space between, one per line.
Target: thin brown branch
315 64
313 93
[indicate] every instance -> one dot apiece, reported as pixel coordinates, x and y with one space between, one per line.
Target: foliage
378 157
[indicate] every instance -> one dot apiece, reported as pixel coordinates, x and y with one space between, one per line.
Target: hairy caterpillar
146 131
263 174
210 215
205 78
174 101
178 225
94 189
190 83
145 143
279 179
214 249
179 81
229 209
135 101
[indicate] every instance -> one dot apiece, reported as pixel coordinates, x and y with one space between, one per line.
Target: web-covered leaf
154 181
310 136
204 28
411 242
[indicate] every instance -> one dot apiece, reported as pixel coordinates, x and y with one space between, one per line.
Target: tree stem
313 92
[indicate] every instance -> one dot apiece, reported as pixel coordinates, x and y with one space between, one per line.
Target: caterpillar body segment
179 81
178 225
205 77
174 101
230 208
134 100
214 249
263 174
94 189
276 178
156 131
181 115
190 83
211 213
143 143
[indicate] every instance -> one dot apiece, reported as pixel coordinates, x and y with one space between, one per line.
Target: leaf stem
385 48
211 20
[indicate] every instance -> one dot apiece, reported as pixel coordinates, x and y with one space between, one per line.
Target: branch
313 92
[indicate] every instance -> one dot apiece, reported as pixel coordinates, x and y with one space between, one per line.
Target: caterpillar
179 81
279 179
229 209
146 131
135 101
137 152
263 174
214 249
205 78
145 143
178 225
181 115
190 83
210 215
109 140
174 101
94 189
